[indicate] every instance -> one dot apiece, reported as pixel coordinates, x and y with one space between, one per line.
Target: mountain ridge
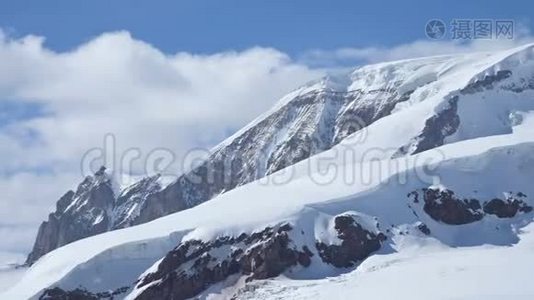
462 180
305 122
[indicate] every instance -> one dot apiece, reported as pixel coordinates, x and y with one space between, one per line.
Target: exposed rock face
311 123
444 206
508 207
59 294
78 214
488 82
446 122
194 265
436 129
423 228
131 200
80 294
92 209
357 244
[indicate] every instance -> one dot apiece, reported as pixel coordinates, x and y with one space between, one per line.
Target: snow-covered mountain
308 121
395 168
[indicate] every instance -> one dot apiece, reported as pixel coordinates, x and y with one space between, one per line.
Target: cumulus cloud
116 84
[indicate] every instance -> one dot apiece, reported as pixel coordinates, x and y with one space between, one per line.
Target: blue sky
202 26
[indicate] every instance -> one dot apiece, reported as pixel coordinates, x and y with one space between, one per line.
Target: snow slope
478 160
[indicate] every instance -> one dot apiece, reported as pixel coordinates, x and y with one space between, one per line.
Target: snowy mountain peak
457 129
321 114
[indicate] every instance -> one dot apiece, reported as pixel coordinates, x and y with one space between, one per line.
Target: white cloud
124 86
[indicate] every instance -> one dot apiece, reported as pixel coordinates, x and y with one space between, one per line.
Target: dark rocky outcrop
80 294
488 82
91 210
423 228
436 129
508 207
357 244
446 122
60 294
131 201
195 265
443 205
78 215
